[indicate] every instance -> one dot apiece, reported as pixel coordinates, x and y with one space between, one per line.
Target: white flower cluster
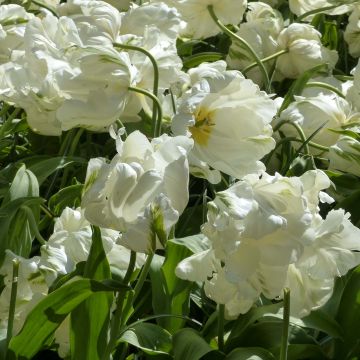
92 65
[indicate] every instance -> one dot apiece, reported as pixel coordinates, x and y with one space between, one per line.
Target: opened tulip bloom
229 119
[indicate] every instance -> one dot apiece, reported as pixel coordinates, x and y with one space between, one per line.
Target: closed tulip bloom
143 181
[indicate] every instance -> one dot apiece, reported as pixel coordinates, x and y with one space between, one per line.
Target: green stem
40 4
14 285
157 128
143 275
298 129
325 86
315 11
286 322
156 78
264 60
221 317
131 267
244 43
33 224
47 211
117 318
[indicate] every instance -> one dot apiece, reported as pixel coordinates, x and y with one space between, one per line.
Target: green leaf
267 334
254 353
170 294
15 232
348 317
299 84
321 321
43 167
197 59
150 338
90 320
189 345
244 321
69 196
48 314
305 352
194 243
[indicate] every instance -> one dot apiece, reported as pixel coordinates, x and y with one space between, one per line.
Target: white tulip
228 12
229 119
353 94
345 155
303 43
246 260
334 251
352 32
322 113
143 183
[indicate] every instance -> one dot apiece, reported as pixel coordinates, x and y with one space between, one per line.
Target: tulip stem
264 60
157 128
47 211
142 276
221 315
299 131
118 315
245 44
156 79
319 84
14 285
286 323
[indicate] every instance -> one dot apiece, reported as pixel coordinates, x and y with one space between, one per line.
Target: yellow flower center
203 126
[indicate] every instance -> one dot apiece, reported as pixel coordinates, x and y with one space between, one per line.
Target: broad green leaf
348 317
49 313
43 167
159 301
254 353
150 338
194 243
189 345
244 321
63 279
267 334
177 291
69 196
90 320
306 352
321 321
170 294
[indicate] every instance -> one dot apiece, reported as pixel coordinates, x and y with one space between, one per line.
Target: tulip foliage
179 179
